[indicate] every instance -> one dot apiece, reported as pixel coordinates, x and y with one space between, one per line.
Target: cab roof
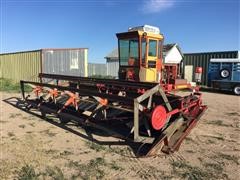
130 34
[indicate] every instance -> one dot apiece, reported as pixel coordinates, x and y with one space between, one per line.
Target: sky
196 25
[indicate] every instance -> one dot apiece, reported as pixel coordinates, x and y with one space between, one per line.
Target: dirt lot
33 147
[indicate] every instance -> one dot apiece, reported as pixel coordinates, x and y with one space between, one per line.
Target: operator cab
140 54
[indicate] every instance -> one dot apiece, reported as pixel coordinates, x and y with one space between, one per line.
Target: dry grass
232 158
28 172
187 171
95 146
92 170
48 132
22 126
218 123
14 115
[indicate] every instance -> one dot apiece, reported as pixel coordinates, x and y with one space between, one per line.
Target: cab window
152 48
128 52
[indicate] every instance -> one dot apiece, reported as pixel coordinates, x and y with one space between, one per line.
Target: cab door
148 71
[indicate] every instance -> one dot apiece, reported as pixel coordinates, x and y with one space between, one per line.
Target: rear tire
236 90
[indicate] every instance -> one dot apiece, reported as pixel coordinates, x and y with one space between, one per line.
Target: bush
102 77
27 172
9 86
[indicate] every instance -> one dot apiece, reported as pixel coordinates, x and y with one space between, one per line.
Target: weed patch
53 172
51 151
47 132
65 153
9 86
95 146
91 170
216 167
209 141
186 171
32 124
190 151
120 151
22 126
189 139
3 122
74 164
113 165
232 114
11 134
13 115
219 138
27 172
218 123
94 169
228 157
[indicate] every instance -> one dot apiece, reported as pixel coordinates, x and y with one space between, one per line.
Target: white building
172 54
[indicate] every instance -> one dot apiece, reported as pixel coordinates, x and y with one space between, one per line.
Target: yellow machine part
148 74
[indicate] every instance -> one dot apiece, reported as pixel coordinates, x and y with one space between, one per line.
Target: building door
188 73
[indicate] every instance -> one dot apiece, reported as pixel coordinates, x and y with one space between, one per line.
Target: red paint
159 117
37 90
53 92
72 100
130 74
103 101
199 70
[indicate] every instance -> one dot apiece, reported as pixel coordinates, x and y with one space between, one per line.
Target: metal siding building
20 65
72 62
112 68
112 62
193 60
97 69
27 65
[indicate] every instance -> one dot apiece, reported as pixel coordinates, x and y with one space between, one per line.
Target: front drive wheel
236 90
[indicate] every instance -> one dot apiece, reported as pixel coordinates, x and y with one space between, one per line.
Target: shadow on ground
90 131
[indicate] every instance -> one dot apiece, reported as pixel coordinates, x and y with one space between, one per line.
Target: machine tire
236 90
224 73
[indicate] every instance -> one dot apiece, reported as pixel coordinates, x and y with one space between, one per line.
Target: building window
74 60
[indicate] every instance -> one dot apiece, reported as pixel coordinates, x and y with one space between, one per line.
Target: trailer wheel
224 73
236 90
